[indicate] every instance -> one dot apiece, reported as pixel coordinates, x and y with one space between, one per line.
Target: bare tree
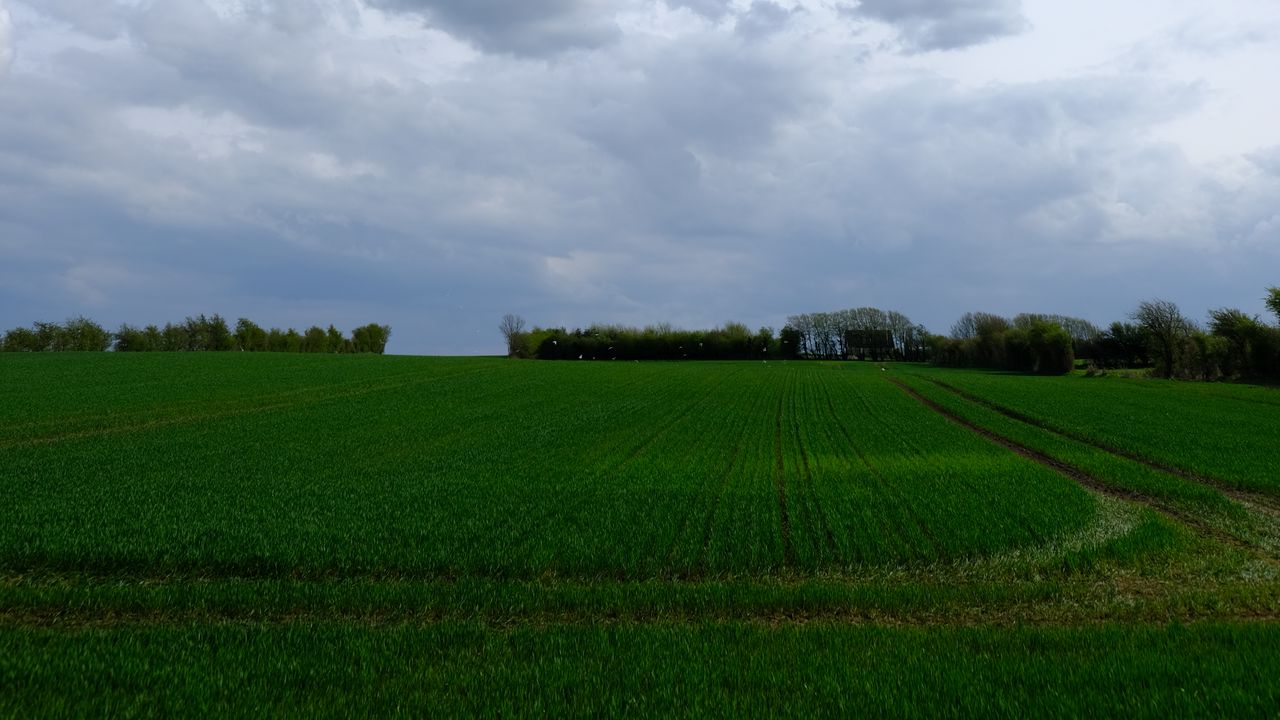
1167 329
900 328
966 327
512 329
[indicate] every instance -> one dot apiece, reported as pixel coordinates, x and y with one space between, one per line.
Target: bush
1033 345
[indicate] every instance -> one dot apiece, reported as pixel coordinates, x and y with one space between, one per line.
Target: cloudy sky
433 164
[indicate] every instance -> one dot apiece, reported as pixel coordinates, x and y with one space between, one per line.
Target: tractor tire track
780 484
813 501
94 421
709 521
202 417
1085 479
1263 503
883 482
666 427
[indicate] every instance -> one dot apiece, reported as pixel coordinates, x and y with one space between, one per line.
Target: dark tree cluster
1122 345
734 341
864 333
1028 343
76 334
195 334
1235 345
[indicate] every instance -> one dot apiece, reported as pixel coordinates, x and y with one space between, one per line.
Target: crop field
253 533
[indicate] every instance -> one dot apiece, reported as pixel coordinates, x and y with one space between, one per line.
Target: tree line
862 333
1027 343
195 334
733 341
1156 335
1233 344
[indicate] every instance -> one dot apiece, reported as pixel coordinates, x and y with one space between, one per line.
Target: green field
342 534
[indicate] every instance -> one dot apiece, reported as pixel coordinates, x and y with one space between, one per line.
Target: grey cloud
946 24
1267 159
284 171
714 9
300 16
528 27
266 70
102 19
6 40
764 18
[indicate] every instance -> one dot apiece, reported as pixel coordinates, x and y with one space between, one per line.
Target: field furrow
1226 435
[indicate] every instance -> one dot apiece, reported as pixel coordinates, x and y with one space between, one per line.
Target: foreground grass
705 669
250 535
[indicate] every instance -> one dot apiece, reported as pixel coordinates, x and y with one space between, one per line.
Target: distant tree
249 336
337 342
1204 356
276 341
790 342
218 335
154 338
966 328
21 339
1237 330
1051 347
315 340
1273 301
1084 334
1124 345
1166 329
988 348
48 336
920 343
764 345
371 338
83 335
196 331
902 332
78 333
1250 348
174 338
512 329
292 341
799 328
983 340
131 339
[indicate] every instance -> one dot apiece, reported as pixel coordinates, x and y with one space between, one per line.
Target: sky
434 164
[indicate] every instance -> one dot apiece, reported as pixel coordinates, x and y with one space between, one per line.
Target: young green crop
504 469
1225 433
